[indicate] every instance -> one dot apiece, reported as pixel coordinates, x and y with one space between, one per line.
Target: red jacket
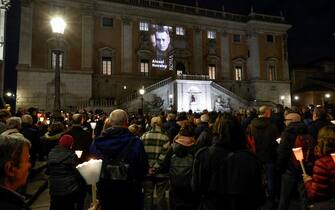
322 186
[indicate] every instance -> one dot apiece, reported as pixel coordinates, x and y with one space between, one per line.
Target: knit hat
66 141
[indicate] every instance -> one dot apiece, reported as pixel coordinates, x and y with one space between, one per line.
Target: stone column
225 56
87 41
26 33
286 74
253 60
197 52
127 46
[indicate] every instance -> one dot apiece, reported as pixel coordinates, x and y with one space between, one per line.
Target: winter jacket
265 134
316 125
322 185
227 180
11 200
205 139
284 152
82 141
33 136
172 129
64 178
121 194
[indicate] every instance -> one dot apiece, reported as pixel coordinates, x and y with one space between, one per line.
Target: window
106 65
271 72
145 67
144 26
180 31
211 71
211 34
107 22
269 38
237 38
54 54
238 73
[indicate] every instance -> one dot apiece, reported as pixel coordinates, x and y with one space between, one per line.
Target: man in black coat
291 174
32 134
171 127
14 169
82 138
265 134
319 121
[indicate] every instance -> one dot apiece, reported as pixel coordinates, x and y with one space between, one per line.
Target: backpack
307 143
117 169
181 172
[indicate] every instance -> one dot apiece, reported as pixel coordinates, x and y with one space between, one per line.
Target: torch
299 156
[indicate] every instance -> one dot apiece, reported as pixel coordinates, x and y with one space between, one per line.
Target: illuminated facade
112 48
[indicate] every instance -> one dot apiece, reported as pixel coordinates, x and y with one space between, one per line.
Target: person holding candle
113 142
321 186
65 183
287 165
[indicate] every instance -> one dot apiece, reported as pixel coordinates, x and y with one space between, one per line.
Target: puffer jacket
64 178
322 185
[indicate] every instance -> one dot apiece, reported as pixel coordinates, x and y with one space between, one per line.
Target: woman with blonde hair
321 186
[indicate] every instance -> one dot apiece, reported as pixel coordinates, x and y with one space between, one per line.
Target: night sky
311 37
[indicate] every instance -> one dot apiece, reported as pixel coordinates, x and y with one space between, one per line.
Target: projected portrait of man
161 38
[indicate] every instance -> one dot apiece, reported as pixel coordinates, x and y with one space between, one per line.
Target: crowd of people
177 161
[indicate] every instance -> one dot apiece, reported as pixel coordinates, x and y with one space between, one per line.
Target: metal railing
194 10
192 77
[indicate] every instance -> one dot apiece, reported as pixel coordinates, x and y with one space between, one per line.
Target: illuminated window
180 31
211 34
211 71
54 57
271 72
106 65
145 67
144 26
237 38
238 73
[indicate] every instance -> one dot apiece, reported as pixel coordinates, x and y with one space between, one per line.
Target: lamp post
58 26
142 91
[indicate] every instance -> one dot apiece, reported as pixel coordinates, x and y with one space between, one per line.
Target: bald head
77 119
118 118
265 111
292 117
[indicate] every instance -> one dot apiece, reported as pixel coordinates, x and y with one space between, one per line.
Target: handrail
192 77
229 93
194 10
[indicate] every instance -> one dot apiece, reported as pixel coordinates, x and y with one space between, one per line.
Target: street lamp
142 91
296 98
327 95
171 99
58 26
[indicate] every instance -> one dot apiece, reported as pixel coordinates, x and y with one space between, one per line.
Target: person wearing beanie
155 143
65 183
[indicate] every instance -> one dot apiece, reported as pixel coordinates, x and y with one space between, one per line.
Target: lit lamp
90 171
93 125
299 155
58 26
296 98
142 91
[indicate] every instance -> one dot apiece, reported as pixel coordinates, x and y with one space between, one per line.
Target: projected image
161 42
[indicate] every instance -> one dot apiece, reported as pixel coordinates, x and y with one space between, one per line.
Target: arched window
239 72
271 69
180 68
107 61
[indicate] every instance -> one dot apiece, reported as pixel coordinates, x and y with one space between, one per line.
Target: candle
333 156
90 171
278 140
299 155
78 153
93 125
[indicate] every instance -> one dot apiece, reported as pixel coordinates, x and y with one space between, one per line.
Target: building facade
112 48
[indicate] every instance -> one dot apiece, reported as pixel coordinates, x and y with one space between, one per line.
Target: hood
58 153
113 140
50 137
261 122
296 128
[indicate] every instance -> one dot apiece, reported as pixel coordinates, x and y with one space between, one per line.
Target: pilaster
127 46
26 34
254 59
197 51
225 56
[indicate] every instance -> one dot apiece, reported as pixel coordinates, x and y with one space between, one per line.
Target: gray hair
77 118
27 119
118 118
13 122
11 149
